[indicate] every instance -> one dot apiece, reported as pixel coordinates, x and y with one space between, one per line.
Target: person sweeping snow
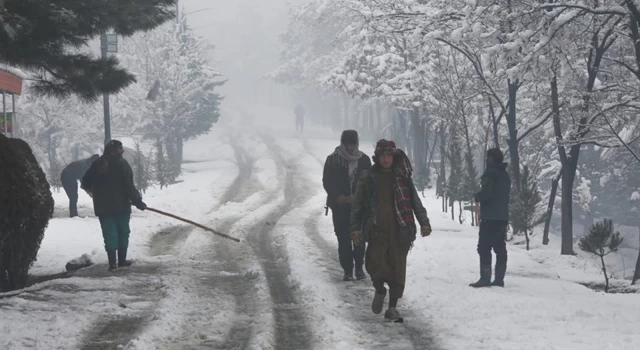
109 181
341 171
382 214
494 218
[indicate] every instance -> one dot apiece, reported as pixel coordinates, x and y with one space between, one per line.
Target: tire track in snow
358 294
292 331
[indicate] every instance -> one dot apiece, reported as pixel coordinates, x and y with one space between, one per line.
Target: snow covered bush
26 205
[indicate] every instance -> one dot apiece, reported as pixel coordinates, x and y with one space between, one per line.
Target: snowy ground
281 288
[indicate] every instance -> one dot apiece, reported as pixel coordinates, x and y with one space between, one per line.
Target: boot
360 275
500 272
392 315
122 258
485 278
378 302
113 264
348 276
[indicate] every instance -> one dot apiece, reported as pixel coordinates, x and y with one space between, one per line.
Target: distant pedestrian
341 171
69 178
110 182
383 215
494 219
299 112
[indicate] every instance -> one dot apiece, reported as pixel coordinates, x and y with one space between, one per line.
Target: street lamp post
108 44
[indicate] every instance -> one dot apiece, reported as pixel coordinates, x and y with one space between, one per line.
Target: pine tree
41 35
161 168
601 241
524 205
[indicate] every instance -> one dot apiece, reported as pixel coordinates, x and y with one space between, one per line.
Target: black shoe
360 275
501 270
348 276
122 258
113 265
485 278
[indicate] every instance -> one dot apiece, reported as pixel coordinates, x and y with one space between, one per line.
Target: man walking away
299 111
341 171
110 182
494 218
385 204
69 178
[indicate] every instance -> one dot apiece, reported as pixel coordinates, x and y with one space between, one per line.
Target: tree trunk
443 169
568 176
552 199
604 270
636 274
494 125
526 237
453 216
569 167
513 134
418 160
460 212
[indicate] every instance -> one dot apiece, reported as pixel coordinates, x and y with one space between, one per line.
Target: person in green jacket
494 219
109 181
383 214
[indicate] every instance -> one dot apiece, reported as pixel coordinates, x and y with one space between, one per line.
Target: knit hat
496 154
385 146
349 137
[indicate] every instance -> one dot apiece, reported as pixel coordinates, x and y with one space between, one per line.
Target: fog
245 35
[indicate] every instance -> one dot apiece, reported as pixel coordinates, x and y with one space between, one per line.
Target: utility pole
107 114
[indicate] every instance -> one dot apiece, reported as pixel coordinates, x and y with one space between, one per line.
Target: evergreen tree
601 241
524 205
42 36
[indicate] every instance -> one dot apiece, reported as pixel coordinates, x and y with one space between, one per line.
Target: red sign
10 83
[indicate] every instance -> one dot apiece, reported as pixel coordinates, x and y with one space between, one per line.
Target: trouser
71 188
492 235
348 252
115 231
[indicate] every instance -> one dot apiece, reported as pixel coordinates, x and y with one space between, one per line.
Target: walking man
69 178
383 215
341 171
299 112
110 182
494 218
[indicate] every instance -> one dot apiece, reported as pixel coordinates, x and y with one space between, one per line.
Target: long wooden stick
194 224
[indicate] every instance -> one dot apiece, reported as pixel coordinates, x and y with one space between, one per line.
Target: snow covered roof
15 71
11 79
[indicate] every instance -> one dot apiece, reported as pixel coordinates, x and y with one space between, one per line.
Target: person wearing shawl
339 179
382 214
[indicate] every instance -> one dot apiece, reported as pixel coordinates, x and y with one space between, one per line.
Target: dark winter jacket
76 170
364 209
112 186
335 178
494 194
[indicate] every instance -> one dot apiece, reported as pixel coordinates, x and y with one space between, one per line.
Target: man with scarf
341 171
494 218
109 181
383 215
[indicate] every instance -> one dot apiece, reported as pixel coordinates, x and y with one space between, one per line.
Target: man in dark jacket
341 171
494 218
110 182
383 214
69 178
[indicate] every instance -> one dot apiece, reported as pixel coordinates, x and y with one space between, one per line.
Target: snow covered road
281 288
